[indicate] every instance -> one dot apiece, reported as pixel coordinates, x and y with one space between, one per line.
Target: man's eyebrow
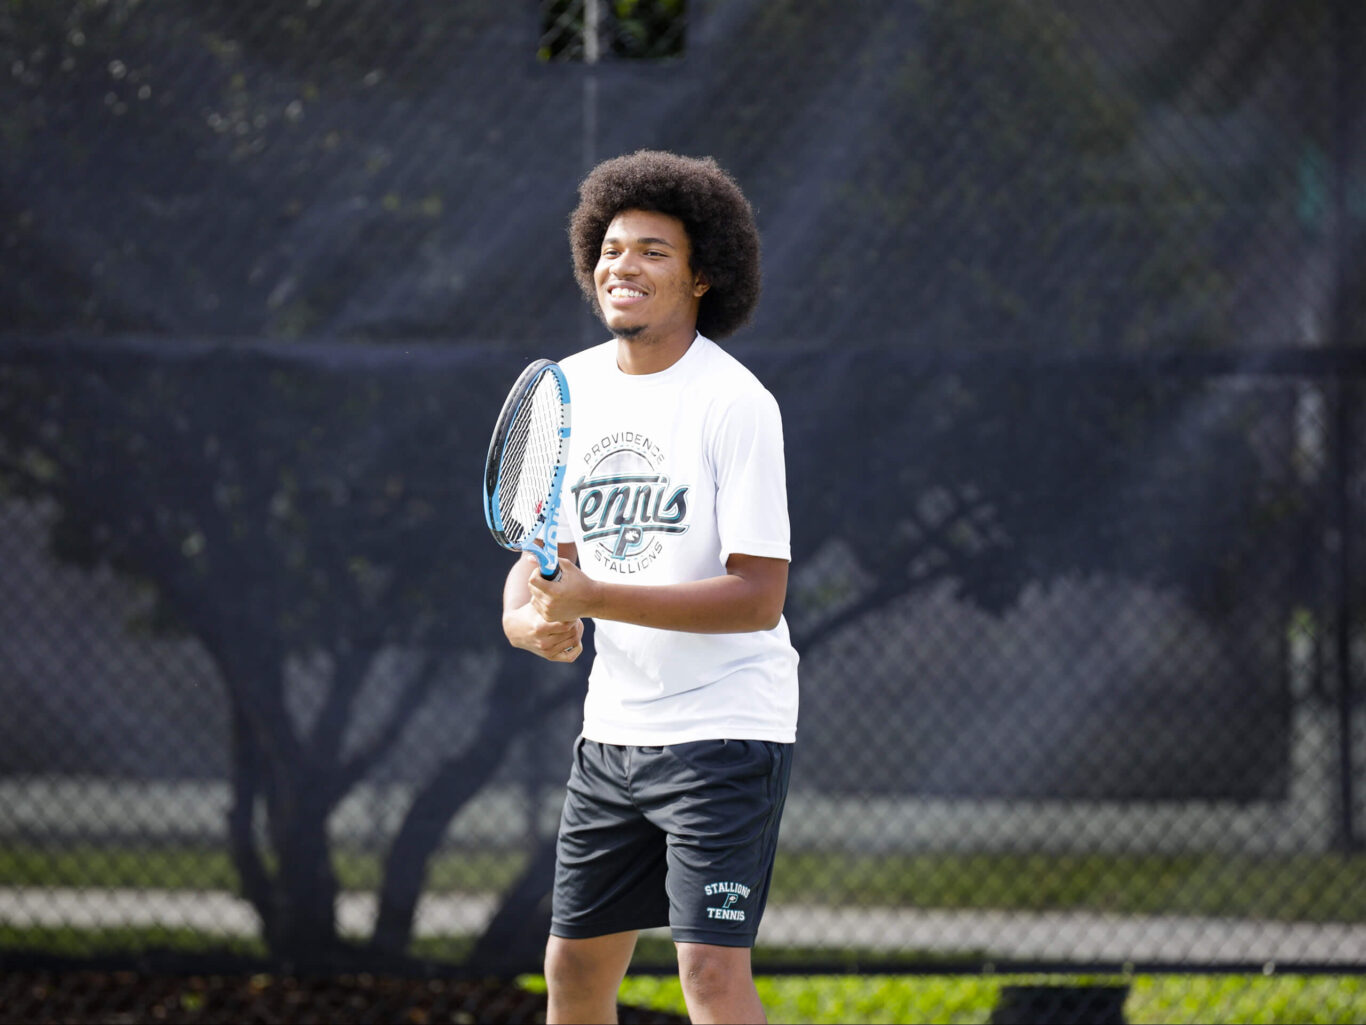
647 241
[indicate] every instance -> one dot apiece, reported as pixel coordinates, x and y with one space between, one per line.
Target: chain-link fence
1062 306
1074 689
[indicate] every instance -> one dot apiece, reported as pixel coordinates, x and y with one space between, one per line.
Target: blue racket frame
545 528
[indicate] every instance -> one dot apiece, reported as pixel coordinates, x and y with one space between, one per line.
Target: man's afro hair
715 214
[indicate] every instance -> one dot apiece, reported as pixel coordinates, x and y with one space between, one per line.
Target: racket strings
530 458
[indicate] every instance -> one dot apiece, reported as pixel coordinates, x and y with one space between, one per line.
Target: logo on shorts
727 912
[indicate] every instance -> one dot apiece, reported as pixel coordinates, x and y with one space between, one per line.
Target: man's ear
700 284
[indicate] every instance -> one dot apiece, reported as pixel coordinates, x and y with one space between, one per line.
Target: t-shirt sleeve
751 479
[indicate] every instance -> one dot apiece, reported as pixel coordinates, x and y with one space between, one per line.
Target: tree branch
415 691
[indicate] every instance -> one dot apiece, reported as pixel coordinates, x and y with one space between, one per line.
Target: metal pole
1347 29
1343 427
592 17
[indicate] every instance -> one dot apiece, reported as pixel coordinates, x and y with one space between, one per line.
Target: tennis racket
526 462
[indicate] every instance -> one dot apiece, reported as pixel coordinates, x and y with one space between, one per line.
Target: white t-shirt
668 475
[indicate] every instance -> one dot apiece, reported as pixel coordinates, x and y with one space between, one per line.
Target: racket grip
553 576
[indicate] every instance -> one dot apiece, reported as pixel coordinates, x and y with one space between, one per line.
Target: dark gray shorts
682 836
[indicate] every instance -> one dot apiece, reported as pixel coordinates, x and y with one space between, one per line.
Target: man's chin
626 334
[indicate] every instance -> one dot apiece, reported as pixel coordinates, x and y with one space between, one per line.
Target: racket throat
547 553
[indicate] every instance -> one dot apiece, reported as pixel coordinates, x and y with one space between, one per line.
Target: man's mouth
625 292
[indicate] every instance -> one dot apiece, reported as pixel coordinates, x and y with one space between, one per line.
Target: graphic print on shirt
626 504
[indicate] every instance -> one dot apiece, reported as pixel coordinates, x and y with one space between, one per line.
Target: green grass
105 867
196 868
1311 888
72 942
818 999
68 941
1173 999
1307 888
1321 887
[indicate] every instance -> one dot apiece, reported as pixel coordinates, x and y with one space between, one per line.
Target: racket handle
550 565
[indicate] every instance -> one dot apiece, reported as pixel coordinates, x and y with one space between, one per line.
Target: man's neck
645 355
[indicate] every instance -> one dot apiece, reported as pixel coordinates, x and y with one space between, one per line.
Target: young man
674 539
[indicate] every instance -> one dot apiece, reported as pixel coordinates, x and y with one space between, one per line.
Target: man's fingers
559 641
562 651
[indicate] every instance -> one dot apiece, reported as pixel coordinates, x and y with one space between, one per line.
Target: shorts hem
591 930
715 939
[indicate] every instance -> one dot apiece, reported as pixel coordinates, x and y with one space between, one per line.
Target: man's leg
718 985
583 977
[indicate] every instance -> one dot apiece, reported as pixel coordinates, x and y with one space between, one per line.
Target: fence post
1343 427
1349 34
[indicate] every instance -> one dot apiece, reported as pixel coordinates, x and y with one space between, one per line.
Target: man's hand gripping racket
526 464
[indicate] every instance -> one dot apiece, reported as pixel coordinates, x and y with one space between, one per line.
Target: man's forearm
725 604
516 593
747 598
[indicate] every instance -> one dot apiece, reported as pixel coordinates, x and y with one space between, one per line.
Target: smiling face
647 289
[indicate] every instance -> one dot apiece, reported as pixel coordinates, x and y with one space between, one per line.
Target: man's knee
569 966
587 967
707 971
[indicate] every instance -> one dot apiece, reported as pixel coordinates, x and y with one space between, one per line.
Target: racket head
525 466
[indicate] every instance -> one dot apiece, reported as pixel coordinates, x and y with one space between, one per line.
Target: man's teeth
626 293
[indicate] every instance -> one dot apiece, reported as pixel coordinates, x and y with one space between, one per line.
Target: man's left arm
748 597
